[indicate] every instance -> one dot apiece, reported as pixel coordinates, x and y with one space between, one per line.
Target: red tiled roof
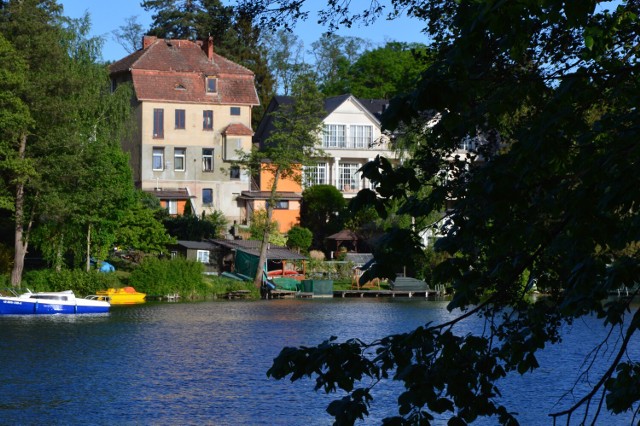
175 70
237 129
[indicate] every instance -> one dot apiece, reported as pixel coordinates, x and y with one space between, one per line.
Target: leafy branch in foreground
545 190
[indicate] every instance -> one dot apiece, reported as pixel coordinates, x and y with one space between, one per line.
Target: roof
344 235
237 129
196 245
170 194
374 107
265 195
176 70
359 259
253 247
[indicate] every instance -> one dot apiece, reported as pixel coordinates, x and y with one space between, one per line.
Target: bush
159 277
82 283
221 286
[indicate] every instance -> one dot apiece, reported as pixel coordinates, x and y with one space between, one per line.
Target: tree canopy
65 178
543 96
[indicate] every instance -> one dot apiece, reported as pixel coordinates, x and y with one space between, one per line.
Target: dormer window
212 85
179 87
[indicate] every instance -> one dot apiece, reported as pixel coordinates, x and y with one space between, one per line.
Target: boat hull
30 304
122 296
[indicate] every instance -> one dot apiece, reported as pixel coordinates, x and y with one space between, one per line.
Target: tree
193 228
129 35
140 230
299 238
334 55
387 71
285 54
290 146
320 211
544 96
188 19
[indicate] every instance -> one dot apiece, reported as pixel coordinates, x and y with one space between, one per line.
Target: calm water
206 363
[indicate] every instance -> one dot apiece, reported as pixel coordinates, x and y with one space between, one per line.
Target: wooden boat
122 296
54 302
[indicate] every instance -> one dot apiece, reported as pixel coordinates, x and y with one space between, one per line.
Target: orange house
287 207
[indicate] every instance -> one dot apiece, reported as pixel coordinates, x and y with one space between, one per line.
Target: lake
205 363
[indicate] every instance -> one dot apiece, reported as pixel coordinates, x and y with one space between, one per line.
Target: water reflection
206 363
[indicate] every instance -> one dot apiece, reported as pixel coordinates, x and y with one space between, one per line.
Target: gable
351 112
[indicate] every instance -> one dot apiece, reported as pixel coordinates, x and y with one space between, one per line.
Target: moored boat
53 302
122 296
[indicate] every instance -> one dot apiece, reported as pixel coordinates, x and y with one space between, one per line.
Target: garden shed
241 257
202 251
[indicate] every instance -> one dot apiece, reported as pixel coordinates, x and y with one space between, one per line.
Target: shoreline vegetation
160 279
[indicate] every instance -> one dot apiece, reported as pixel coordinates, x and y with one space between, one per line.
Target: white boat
54 302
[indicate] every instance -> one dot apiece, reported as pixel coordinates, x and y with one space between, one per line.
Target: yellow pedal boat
122 296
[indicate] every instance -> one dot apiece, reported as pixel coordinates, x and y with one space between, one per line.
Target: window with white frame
348 179
202 256
172 207
212 84
360 136
334 136
207 159
316 174
179 156
158 159
468 143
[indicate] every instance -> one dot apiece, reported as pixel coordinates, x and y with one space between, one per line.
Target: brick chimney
148 41
207 46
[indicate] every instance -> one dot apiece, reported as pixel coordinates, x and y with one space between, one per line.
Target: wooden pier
425 294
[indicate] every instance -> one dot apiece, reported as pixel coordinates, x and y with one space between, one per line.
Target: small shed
201 251
242 257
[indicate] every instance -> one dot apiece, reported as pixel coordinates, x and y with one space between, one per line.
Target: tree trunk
88 247
58 261
257 281
21 239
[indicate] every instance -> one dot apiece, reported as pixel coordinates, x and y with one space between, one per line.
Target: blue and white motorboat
54 302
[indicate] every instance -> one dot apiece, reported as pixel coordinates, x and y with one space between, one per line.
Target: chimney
148 41
207 46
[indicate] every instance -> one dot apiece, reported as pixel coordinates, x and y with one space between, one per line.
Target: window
334 136
234 172
207 196
212 83
360 136
207 160
158 123
158 159
179 119
207 119
234 111
347 179
280 205
315 175
172 207
468 143
179 155
203 256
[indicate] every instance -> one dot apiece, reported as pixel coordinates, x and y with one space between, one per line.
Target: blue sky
108 15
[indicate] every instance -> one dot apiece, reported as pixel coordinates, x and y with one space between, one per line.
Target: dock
425 294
